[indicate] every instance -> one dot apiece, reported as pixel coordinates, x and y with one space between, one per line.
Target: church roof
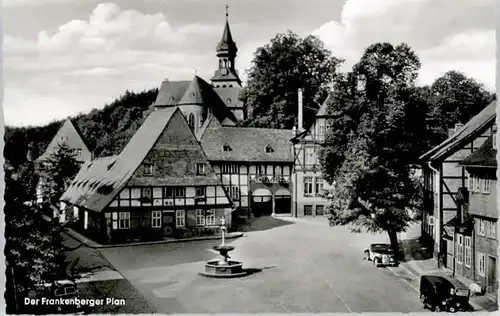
246 144
194 92
171 92
226 44
230 96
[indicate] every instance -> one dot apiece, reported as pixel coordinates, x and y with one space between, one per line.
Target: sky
64 57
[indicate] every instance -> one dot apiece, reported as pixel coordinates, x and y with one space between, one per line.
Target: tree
368 154
57 171
278 70
454 98
33 245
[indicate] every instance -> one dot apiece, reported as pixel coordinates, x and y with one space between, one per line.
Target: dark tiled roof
98 182
70 134
477 125
230 96
247 144
194 92
230 76
171 92
226 43
485 156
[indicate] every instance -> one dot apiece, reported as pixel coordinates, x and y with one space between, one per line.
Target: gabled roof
99 182
230 96
171 92
194 92
248 144
477 125
485 156
68 133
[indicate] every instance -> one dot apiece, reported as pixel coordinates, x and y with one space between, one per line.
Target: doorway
492 275
168 225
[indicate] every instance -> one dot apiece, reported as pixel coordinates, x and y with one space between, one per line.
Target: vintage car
380 255
58 289
441 294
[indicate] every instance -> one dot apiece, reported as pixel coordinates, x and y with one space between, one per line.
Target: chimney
301 112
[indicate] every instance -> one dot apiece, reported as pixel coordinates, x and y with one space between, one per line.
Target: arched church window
191 121
223 85
230 86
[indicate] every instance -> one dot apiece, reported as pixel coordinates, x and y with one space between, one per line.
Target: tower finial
227 11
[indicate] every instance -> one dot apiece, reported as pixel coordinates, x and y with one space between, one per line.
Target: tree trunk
393 237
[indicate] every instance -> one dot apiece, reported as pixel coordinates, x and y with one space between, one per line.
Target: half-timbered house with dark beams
70 135
476 231
254 165
307 177
160 185
443 178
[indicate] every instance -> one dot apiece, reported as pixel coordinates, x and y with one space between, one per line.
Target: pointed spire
226 43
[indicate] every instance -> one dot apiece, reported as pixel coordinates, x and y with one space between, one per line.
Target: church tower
226 81
226 49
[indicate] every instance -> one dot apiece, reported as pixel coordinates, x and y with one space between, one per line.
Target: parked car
441 294
380 255
65 289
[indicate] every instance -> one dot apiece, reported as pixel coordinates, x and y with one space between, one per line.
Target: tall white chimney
301 111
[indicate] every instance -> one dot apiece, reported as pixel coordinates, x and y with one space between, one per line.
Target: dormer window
200 169
269 149
229 100
226 147
148 169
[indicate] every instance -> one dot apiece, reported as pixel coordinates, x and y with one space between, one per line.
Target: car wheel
452 309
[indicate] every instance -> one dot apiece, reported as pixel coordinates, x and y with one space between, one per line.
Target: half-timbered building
443 178
309 182
476 232
254 165
160 185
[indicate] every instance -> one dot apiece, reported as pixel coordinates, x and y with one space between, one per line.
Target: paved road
306 267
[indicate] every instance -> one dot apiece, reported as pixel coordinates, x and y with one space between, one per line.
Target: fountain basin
228 269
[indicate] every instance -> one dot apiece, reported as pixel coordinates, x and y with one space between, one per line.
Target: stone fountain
223 268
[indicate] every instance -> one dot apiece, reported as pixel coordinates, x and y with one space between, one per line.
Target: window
156 219
468 254
200 218
470 182
321 128
172 192
269 149
200 191
482 228
226 147
308 186
477 184
191 121
481 263
180 192
210 218
180 220
309 156
319 185
320 210
200 169
308 210
486 186
169 192
235 193
148 169
491 229
460 248
146 193
229 168
494 140
124 220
